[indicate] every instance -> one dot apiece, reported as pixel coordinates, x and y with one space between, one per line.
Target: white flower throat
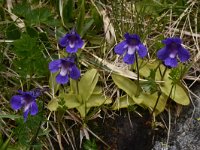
71 44
173 54
63 71
131 49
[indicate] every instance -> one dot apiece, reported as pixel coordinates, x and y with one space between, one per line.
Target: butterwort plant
172 51
26 101
71 41
66 68
129 47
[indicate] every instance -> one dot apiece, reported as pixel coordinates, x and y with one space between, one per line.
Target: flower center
72 40
173 50
27 101
63 71
71 44
173 54
131 50
26 107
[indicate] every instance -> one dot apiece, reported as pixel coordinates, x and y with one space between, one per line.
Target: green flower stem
163 74
158 67
157 100
170 91
138 77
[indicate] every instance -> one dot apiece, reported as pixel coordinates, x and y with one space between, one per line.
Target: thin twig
98 137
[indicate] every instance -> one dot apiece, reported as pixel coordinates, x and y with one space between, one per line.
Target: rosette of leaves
171 86
147 99
83 95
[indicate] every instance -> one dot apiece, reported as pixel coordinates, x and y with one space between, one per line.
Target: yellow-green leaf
53 104
83 110
97 100
123 102
125 84
149 100
178 94
88 83
74 86
144 99
53 84
71 100
97 90
145 69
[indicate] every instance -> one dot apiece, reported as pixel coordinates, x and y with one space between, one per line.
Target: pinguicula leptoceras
67 69
71 41
173 50
27 101
129 46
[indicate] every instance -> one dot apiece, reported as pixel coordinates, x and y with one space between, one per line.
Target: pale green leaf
147 66
96 100
144 99
71 100
74 90
83 110
123 102
149 101
178 93
88 83
54 86
97 90
74 86
53 104
125 84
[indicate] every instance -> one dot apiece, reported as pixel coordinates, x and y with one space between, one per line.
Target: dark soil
122 133
119 131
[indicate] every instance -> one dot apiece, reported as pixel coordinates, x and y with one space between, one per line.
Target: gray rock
185 133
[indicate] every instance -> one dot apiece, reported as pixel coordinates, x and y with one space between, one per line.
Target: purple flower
27 101
171 51
72 42
129 46
67 69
